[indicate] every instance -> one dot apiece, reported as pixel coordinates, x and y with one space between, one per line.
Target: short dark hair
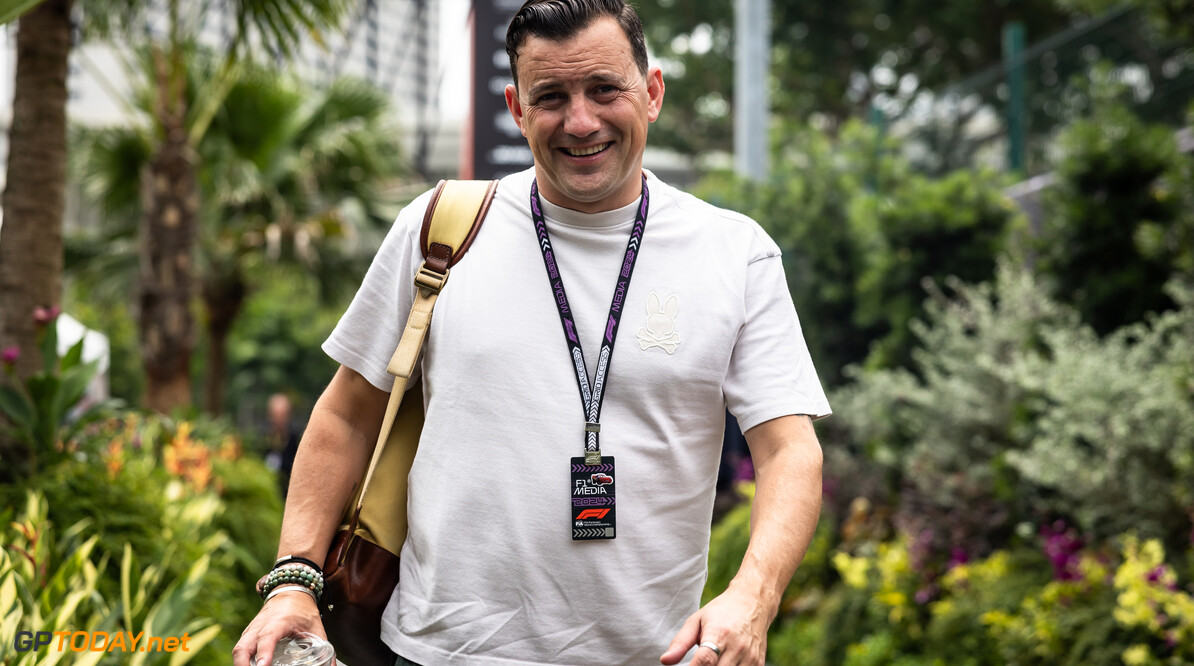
559 20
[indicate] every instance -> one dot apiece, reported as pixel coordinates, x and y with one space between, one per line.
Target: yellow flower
1137 655
853 570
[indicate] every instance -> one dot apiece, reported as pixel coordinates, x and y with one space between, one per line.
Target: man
282 439
493 572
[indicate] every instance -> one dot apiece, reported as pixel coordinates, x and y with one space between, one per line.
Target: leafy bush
1123 605
860 231
1119 219
177 495
40 407
50 583
1018 412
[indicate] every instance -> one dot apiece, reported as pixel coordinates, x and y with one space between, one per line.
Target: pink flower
10 355
43 316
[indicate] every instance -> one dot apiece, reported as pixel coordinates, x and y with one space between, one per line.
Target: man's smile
584 152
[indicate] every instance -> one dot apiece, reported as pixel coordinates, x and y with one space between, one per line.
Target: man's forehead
600 49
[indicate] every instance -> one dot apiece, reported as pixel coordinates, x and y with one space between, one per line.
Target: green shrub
1116 220
41 406
859 231
50 583
177 495
1021 413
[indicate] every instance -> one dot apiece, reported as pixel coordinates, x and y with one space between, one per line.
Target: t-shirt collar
604 219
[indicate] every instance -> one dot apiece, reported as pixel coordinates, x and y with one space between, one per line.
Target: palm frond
280 25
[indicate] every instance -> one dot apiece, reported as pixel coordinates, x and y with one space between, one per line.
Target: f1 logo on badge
597 514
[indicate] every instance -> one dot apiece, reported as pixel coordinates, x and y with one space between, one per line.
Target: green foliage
1119 218
1007 419
922 230
1170 18
830 59
293 184
971 594
40 408
51 583
275 345
1125 605
860 233
1111 443
109 312
179 525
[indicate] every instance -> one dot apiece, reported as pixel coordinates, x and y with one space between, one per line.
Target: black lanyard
591 398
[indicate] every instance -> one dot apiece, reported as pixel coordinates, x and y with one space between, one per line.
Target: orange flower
114 457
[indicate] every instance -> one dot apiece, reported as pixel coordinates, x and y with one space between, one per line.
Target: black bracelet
300 560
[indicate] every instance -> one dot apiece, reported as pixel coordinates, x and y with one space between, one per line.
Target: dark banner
498 147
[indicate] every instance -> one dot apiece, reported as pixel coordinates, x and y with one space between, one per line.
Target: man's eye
605 90
549 97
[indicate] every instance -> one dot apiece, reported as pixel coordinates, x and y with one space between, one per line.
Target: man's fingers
684 640
706 657
242 652
266 642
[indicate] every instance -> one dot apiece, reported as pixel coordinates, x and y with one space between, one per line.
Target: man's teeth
581 152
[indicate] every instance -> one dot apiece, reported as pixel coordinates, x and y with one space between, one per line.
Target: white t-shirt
490 573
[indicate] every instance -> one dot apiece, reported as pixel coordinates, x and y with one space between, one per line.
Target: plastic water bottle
302 650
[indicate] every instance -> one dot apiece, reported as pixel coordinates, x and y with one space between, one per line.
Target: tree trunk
223 298
168 233
31 235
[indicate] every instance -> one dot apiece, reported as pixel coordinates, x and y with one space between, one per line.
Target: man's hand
331 458
289 613
787 503
735 622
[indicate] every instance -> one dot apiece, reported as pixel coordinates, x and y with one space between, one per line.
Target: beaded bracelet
297 559
293 574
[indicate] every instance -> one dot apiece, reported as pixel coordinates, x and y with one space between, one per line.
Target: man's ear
515 106
654 93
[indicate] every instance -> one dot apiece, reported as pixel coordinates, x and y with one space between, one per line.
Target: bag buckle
429 281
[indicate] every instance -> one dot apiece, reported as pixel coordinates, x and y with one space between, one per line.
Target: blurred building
393 43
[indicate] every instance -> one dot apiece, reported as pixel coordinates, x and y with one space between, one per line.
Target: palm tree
288 177
31 236
33 200
170 197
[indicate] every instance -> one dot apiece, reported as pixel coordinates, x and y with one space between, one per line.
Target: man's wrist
290 590
763 592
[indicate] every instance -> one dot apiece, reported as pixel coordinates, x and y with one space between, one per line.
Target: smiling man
560 502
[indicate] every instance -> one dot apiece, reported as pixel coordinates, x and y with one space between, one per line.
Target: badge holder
594 512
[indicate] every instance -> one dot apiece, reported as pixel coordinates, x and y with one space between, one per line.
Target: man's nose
579 118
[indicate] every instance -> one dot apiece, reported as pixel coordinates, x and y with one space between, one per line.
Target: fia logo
660 324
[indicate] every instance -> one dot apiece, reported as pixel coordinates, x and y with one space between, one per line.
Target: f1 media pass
99 641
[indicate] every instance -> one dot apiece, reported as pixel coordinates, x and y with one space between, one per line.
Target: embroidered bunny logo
660 322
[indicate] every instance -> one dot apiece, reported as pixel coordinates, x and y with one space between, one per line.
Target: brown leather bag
361 569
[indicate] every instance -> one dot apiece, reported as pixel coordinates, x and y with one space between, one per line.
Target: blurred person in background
282 439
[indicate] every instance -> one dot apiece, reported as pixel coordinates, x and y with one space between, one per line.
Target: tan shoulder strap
453 217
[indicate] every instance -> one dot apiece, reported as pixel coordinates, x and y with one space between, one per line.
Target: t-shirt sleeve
365 337
771 373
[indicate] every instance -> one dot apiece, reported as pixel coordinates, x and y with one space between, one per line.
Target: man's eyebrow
589 79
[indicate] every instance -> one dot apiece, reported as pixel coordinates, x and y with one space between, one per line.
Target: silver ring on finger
711 646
